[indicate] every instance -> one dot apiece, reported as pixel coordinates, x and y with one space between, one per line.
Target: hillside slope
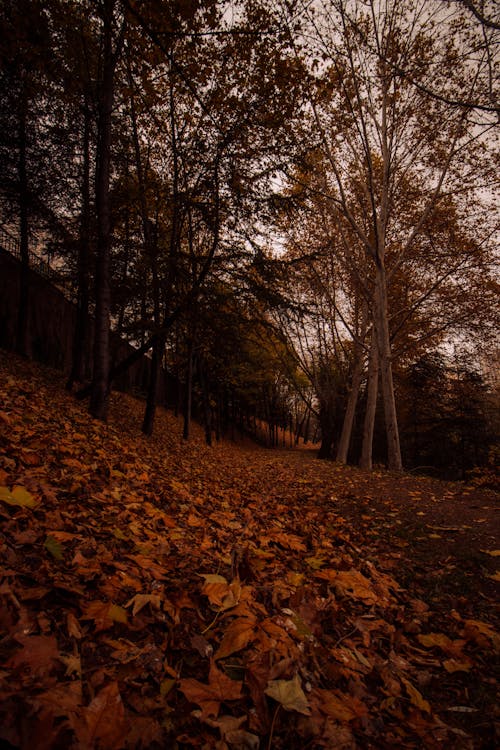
162 594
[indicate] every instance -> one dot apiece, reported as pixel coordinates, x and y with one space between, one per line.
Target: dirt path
438 536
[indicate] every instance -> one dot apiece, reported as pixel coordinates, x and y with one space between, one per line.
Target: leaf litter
162 594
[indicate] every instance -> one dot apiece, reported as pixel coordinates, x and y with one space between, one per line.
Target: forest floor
159 594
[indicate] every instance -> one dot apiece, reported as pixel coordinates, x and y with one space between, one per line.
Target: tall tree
380 130
113 30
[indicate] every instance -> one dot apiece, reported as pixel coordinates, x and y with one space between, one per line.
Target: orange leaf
237 636
141 600
482 633
453 665
341 707
104 614
220 688
415 697
350 583
440 640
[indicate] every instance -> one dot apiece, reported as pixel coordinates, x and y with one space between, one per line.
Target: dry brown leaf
289 694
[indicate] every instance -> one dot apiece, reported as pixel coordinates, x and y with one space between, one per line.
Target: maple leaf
104 723
220 688
339 706
104 614
63 699
139 601
19 496
222 594
289 694
236 637
350 583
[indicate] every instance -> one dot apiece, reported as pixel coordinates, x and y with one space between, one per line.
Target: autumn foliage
162 594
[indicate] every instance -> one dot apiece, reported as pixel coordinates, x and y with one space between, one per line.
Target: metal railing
12 245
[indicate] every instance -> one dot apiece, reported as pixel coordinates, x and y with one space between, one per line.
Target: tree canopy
288 205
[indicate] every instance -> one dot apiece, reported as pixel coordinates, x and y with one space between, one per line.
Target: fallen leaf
340 707
453 665
442 641
236 637
54 547
39 653
63 699
106 726
19 496
482 633
104 614
350 583
289 694
415 696
139 601
73 625
220 688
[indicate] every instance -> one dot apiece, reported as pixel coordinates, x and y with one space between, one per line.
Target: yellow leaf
19 496
289 694
495 576
491 552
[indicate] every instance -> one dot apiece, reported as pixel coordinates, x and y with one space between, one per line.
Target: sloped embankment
158 594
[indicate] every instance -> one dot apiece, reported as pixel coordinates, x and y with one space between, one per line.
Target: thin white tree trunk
381 322
371 407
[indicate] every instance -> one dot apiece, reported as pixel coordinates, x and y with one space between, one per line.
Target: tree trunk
154 378
327 434
99 396
371 407
22 342
207 416
80 334
385 358
189 394
357 376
